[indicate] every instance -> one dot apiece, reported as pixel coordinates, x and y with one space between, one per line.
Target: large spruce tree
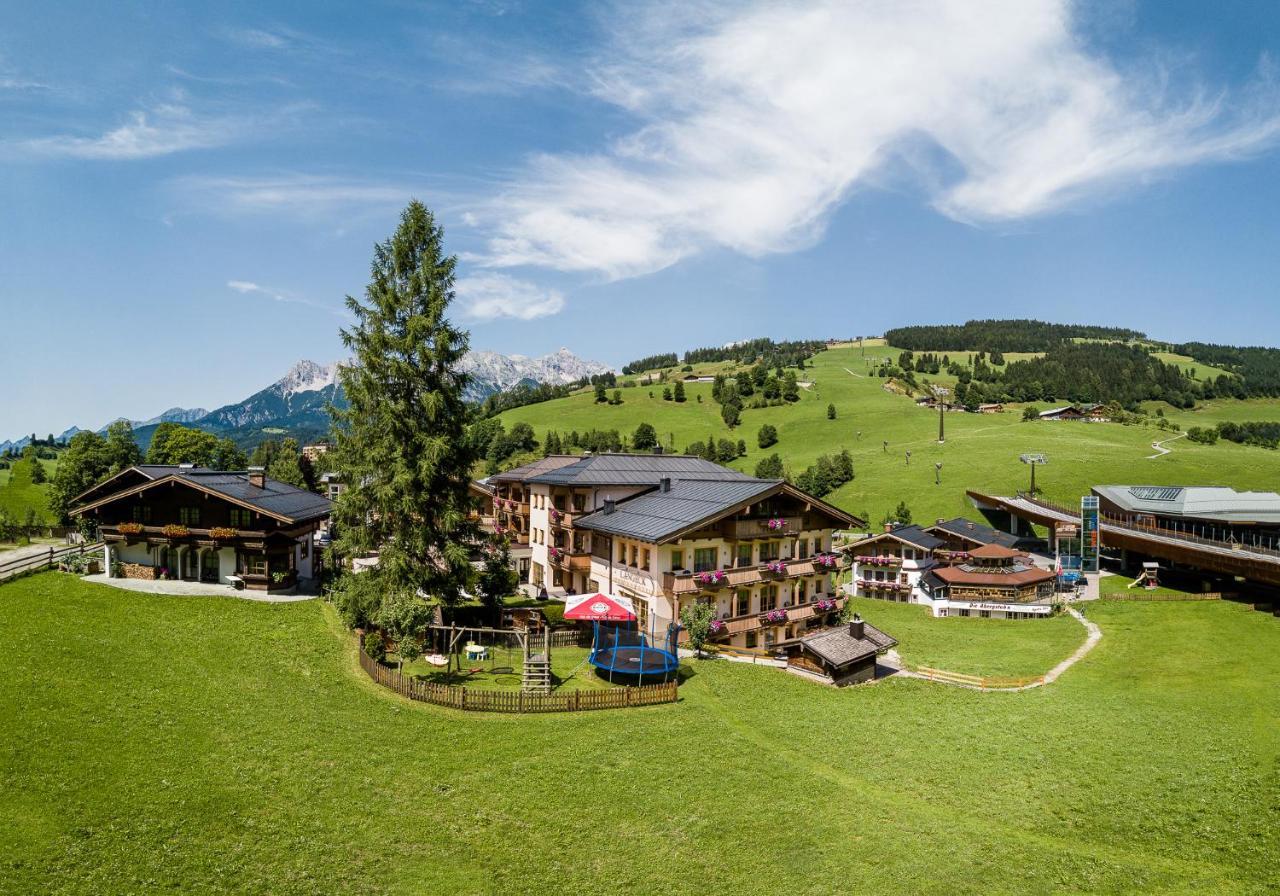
401 445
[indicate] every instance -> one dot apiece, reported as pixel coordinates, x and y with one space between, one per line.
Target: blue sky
188 194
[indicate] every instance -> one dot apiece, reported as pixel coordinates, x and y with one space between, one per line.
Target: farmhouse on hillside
231 527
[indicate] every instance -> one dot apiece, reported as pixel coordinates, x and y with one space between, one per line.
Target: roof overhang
190 483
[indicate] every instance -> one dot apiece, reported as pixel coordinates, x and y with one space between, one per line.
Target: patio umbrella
599 608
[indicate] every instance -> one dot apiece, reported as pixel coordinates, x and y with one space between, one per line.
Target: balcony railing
738 623
760 527
685 583
133 532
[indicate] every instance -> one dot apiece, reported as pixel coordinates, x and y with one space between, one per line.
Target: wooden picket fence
983 682
572 637
1135 595
490 700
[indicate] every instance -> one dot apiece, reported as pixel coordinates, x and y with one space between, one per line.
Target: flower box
828 561
776 524
825 605
223 533
175 530
774 617
129 528
712 578
777 567
717 627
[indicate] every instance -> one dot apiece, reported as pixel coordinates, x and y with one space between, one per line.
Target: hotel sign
1036 609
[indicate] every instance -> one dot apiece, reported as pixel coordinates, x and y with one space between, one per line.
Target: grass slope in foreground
215 745
981 450
18 493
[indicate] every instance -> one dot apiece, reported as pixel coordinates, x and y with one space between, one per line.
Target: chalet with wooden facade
759 551
191 523
991 581
840 655
954 567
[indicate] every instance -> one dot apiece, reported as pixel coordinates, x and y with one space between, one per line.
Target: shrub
375 646
1030 412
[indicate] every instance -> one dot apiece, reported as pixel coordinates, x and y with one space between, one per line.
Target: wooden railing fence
983 682
491 700
44 560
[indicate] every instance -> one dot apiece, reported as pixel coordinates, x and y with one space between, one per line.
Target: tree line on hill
1090 372
1256 369
751 351
1000 335
1263 434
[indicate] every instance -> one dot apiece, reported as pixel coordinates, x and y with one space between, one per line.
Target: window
768 598
753 641
189 516
770 550
241 519
742 602
142 513
677 559
635 556
802 548
801 590
704 559
644 558
744 554
306 547
256 565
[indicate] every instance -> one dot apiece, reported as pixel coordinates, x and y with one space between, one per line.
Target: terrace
774 570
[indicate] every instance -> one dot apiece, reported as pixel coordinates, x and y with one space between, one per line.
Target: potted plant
711 578
223 533
175 530
774 617
777 567
776 524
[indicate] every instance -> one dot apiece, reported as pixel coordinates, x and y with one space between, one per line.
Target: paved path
1161 451
196 589
1093 637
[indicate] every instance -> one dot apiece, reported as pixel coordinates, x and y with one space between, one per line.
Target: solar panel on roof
1155 492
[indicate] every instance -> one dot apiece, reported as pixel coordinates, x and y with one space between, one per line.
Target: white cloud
757 124
490 296
248 287
259 38
300 194
156 132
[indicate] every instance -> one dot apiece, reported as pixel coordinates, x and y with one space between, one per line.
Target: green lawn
223 746
974 646
980 451
18 493
1119 584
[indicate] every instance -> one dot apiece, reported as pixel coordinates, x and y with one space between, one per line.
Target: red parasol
599 608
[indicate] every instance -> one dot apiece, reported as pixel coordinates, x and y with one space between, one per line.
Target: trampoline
621 651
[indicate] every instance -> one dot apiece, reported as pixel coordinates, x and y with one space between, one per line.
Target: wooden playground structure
470 647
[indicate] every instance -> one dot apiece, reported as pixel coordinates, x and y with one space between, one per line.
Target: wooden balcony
193 535
745 622
563 519
745 576
579 561
758 527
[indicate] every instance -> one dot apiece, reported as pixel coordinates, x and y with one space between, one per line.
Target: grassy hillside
220 746
981 451
18 493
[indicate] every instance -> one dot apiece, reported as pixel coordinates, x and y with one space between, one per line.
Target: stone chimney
888 527
609 506
856 627
258 477
664 484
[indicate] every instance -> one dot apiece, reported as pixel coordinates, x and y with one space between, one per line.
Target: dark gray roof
275 497
635 469
977 532
656 514
838 647
527 471
918 537
1195 502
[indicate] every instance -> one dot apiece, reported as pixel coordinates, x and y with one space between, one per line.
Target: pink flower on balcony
555 553
827 560
711 577
776 566
555 514
717 626
773 617
825 605
777 523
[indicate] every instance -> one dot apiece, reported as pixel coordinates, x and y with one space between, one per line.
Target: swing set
465 651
